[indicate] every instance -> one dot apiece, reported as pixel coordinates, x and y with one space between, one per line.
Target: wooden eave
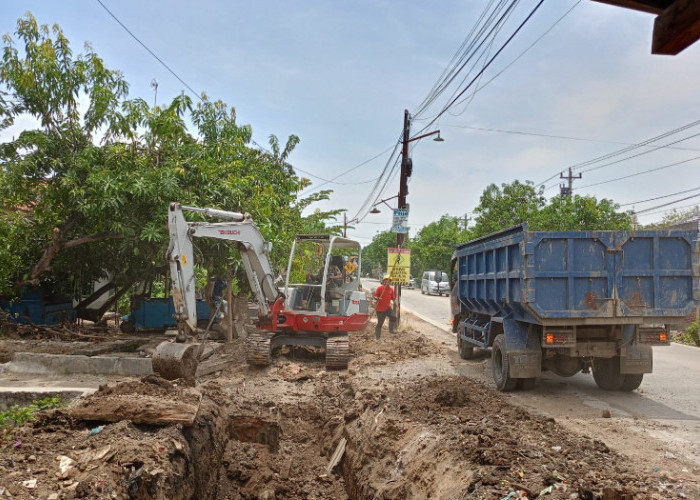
677 23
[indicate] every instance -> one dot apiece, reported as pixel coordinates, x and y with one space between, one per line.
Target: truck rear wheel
606 373
526 384
631 382
501 366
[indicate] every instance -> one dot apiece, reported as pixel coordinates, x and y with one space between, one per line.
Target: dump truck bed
592 277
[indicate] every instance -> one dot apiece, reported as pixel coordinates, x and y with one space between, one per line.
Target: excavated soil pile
294 430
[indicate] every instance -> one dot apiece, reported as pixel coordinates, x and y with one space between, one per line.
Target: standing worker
384 295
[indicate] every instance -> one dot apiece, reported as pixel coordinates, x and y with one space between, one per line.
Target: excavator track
259 348
337 352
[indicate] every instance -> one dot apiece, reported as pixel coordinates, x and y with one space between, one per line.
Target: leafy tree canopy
506 206
85 194
518 202
374 255
580 213
434 244
677 217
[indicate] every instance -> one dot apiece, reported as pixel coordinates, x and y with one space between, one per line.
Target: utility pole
466 221
403 192
568 191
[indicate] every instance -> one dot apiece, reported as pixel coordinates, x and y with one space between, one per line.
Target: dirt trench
397 424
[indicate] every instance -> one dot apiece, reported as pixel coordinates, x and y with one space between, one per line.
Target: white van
435 281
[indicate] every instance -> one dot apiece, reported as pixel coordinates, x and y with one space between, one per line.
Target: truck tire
466 350
631 382
127 327
526 384
606 373
500 365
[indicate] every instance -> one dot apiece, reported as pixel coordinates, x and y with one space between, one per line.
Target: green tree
374 255
85 194
433 246
676 217
509 205
580 213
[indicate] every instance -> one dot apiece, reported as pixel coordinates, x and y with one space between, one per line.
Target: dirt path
408 419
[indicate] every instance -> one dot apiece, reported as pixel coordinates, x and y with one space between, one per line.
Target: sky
577 82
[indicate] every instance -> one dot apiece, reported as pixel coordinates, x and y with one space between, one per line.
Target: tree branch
57 244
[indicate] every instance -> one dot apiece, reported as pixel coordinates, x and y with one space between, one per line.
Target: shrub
692 333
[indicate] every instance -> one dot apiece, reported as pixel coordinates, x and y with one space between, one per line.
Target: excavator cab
323 276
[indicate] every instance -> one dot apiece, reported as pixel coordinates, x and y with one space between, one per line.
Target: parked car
411 283
435 281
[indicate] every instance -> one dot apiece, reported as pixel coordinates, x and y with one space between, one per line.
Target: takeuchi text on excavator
318 307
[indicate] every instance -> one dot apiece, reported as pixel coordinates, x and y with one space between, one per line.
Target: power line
150 51
656 148
647 214
552 136
345 172
607 156
640 173
529 47
466 51
660 197
490 61
667 204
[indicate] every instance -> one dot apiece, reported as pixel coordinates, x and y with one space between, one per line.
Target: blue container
38 309
157 314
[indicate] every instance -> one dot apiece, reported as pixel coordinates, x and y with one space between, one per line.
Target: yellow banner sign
399 265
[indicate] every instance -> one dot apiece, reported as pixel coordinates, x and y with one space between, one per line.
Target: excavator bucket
173 360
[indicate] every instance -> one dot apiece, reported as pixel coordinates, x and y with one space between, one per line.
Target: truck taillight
652 335
656 337
559 339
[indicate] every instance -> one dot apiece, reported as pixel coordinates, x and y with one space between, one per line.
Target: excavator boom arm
240 230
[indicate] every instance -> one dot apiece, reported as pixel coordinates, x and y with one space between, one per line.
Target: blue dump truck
573 301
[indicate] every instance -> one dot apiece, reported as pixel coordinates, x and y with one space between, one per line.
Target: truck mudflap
523 349
635 353
635 359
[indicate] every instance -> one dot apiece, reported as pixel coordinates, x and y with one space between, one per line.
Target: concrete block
65 364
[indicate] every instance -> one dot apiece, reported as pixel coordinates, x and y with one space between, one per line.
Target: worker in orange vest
384 296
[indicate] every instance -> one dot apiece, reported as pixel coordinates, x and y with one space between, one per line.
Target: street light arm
424 136
385 202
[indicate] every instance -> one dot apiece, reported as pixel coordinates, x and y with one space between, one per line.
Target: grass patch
18 415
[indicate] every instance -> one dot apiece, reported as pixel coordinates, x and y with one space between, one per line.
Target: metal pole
403 192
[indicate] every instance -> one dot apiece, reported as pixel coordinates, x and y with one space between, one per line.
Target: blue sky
340 74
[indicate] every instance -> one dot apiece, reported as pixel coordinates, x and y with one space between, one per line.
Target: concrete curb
436 324
24 396
65 364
